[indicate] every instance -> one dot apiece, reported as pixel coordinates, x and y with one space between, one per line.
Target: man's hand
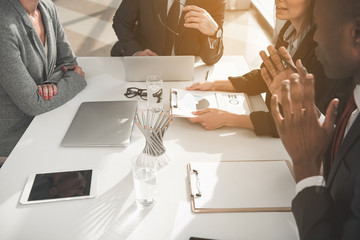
303 136
200 19
274 72
146 52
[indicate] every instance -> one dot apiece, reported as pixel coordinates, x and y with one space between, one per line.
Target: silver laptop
101 124
171 68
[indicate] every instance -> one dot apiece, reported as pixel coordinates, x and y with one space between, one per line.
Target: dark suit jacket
137 27
333 212
252 83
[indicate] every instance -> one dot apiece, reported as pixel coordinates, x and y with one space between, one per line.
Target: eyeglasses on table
134 91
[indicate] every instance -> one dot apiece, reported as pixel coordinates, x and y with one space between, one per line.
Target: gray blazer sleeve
15 77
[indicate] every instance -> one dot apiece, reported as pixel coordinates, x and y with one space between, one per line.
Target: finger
45 91
55 89
275 110
331 113
268 64
192 25
275 58
193 14
200 112
195 119
74 67
188 8
150 53
195 86
309 103
301 70
266 76
285 100
296 96
285 54
40 90
50 91
193 20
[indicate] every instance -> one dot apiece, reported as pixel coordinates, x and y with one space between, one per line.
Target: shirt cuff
212 43
309 182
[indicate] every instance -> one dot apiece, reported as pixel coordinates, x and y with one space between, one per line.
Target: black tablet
56 186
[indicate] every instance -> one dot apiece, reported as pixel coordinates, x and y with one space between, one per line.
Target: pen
207 75
288 64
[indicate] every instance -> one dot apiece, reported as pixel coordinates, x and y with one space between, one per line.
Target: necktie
172 21
340 129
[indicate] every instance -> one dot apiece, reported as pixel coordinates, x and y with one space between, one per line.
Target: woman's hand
220 85
202 86
213 118
48 91
210 118
76 69
274 72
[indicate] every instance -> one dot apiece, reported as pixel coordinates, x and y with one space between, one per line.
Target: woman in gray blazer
38 71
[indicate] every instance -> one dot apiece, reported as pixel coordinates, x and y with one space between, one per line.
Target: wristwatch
218 33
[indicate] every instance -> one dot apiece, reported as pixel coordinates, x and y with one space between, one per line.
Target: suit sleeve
208 55
317 217
124 23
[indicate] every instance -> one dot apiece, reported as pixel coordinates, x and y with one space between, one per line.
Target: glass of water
154 86
144 173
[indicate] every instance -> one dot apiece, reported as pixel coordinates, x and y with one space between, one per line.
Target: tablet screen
71 184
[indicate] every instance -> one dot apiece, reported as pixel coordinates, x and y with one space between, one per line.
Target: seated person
169 27
39 71
297 36
327 203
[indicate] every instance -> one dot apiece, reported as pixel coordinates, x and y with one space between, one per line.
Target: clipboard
241 186
183 102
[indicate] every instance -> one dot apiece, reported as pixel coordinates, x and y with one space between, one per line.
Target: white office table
113 213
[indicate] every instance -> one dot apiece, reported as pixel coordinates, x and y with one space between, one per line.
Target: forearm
71 84
224 86
240 121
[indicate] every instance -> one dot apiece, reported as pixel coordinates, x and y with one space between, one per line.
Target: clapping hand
274 72
303 136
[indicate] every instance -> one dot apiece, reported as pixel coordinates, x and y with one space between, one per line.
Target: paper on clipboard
241 186
183 102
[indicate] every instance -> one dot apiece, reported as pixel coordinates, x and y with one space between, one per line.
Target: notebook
171 68
107 123
241 186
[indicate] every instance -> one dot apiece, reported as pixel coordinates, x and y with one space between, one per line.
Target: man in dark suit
170 27
326 206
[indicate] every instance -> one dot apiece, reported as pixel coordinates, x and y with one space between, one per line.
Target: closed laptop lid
171 68
101 124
